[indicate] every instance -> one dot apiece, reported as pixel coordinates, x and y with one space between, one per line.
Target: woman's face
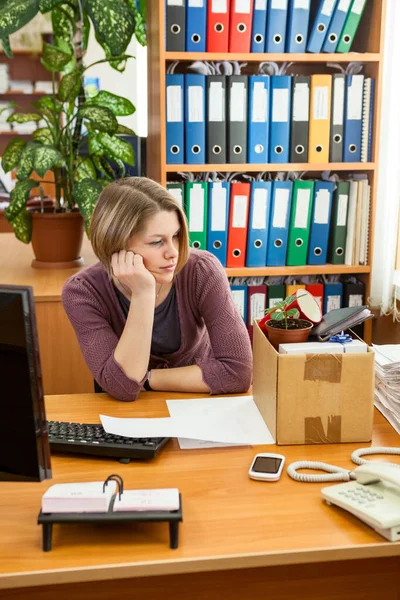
158 244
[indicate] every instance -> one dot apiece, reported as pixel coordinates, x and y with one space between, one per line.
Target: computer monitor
24 444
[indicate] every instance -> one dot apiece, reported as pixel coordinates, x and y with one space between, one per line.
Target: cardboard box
313 398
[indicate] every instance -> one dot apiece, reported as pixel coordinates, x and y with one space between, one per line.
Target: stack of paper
357 237
387 382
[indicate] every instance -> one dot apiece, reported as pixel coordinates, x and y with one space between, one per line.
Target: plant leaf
277 316
114 24
119 106
53 58
100 116
12 154
43 135
289 300
6 45
85 169
293 312
95 147
25 164
104 167
86 193
14 14
70 86
63 23
48 105
122 129
140 27
16 213
44 158
47 5
85 31
23 117
117 148
22 226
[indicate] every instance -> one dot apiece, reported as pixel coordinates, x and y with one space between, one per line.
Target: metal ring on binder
277 39
299 242
339 251
196 244
319 148
236 252
299 149
258 243
333 38
299 39
278 243
217 244
352 148
196 149
195 38
218 27
217 149
175 28
321 27
237 149
278 149
241 27
337 138
347 39
258 148
258 38
174 149
317 251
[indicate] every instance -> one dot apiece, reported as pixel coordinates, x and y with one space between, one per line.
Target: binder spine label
302 209
321 210
301 102
338 104
259 109
242 7
238 102
239 212
216 105
219 6
328 7
260 5
218 214
303 4
174 104
280 106
196 3
344 5
358 6
256 307
321 103
196 104
342 210
196 209
279 4
354 99
259 209
281 208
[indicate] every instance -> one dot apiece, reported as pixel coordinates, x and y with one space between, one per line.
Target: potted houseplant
56 146
282 323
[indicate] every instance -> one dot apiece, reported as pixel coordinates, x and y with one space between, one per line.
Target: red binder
317 290
218 25
238 221
240 24
256 304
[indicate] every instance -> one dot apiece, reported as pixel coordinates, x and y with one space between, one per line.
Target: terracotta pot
288 336
57 240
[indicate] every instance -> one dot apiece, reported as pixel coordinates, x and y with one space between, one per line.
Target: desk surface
230 521
15 268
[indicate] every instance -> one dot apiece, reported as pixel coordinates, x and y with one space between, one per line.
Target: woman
154 314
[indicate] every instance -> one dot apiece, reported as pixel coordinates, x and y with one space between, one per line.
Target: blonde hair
122 210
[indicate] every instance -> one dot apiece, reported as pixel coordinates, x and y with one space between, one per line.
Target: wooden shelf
254 57
304 270
21 93
273 167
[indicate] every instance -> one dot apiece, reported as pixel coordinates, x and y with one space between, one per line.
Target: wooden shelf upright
368 48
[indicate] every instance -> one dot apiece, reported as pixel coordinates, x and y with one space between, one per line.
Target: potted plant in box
291 320
56 146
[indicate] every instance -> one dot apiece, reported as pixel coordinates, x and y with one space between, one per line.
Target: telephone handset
373 496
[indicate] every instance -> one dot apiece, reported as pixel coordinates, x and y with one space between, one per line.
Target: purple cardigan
213 334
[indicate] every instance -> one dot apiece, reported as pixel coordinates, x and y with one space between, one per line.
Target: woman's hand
131 274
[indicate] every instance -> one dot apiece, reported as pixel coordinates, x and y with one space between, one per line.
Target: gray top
166 337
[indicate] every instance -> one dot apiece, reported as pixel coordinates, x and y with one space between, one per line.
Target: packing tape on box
323 367
314 432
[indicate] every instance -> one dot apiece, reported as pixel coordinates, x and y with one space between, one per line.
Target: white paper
140 500
355 98
219 6
260 5
321 209
358 6
259 220
175 2
237 111
242 7
338 101
177 194
259 108
195 104
225 419
238 300
328 7
302 208
321 103
219 206
301 102
174 104
216 104
303 4
342 210
257 306
196 3
279 4
333 303
196 208
239 218
344 5
281 208
280 106
355 300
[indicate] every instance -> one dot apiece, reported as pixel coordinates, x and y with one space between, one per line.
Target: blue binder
196 15
298 19
281 99
175 123
257 239
333 296
195 119
320 223
335 28
276 26
353 118
320 25
278 231
259 26
239 296
258 119
218 213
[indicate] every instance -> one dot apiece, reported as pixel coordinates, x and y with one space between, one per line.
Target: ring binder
120 483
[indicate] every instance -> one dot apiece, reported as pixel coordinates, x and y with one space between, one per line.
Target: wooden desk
239 540
64 370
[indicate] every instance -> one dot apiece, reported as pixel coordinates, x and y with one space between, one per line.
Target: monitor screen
24 445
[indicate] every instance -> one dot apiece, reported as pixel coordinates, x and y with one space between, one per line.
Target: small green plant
281 311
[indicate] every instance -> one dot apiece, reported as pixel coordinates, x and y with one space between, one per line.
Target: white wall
132 83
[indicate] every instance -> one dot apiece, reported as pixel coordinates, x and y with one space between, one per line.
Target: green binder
196 213
177 190
300 220
351 25
275 293
338 232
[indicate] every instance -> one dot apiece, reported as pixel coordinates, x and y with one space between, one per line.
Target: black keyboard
83 438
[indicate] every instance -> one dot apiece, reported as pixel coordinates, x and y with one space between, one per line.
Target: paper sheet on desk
228 420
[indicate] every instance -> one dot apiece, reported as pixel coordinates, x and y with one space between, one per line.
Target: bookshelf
368 49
